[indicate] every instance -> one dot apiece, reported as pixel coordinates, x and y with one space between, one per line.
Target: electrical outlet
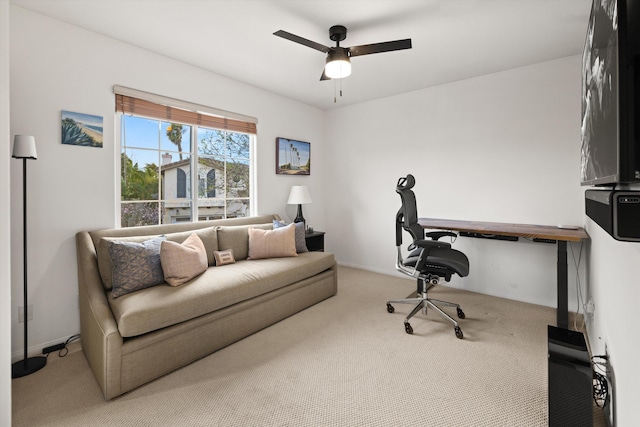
590 308
21 313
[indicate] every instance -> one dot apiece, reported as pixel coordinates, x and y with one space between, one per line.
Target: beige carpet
342 362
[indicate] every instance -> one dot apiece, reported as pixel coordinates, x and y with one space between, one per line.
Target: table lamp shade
24 147
299 195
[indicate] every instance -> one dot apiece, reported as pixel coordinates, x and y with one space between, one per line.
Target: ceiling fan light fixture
338 64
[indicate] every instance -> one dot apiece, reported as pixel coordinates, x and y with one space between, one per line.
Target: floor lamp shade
299 195
24 147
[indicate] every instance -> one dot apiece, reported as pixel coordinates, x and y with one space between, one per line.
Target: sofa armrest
101 340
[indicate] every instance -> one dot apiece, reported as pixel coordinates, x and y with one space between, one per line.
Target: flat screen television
610 128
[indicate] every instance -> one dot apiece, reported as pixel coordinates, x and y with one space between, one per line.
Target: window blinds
130 101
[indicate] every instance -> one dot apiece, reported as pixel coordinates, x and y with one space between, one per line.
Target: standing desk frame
560 235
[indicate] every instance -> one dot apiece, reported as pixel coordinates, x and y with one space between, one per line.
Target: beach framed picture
292 157
81 129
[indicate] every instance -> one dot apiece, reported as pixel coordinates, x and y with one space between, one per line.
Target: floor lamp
24 147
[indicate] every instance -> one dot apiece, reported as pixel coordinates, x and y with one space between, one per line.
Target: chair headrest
406 183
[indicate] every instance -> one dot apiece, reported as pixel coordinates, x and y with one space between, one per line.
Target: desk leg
563 292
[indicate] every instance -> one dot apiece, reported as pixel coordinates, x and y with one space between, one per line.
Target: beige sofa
135 338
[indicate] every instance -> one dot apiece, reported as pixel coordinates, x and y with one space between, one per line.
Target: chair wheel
459 333
390 308
408 329
460 313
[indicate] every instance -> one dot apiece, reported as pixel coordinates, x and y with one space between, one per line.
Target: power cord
579 297
600 384
60 348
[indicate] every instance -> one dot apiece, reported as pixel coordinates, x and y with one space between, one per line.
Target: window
181 184
174 171
227 155
211 183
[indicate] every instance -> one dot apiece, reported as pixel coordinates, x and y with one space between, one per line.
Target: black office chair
428 261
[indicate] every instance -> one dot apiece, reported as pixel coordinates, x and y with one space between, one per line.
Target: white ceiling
452 39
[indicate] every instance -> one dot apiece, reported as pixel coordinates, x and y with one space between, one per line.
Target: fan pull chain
335 90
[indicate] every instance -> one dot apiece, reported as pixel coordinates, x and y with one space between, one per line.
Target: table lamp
299 195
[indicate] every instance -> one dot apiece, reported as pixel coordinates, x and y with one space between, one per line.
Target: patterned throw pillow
136 266
301 242
224 257
272 243
182 262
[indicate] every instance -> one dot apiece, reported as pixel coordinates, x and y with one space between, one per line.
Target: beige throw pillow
277 243
236 237
183 262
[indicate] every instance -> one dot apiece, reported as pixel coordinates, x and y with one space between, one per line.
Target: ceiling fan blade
302 41
367 49
324 76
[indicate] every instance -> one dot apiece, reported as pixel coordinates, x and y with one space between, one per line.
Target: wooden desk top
506 229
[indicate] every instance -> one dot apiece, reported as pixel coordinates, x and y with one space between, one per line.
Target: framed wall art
81 129
293 157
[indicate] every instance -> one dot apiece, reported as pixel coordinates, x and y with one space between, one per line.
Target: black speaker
616 211
570 379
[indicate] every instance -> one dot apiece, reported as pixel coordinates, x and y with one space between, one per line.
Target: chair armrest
423 243
437 235
101 340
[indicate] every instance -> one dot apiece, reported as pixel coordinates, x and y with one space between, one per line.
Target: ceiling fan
338 58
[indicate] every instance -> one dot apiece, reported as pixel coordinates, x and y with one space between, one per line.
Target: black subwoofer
570 379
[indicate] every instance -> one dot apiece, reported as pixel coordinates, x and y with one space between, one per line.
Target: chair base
422 301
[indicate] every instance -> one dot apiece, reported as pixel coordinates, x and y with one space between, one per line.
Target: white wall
502 147
615 286
54 67
5 221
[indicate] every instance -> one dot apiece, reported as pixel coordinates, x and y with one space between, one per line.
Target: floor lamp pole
27 365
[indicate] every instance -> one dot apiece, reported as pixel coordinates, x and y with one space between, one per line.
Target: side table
315 241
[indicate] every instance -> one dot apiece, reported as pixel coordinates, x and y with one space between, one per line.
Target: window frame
192 190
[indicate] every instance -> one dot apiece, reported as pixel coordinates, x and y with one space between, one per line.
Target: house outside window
181 184
161 185
211 183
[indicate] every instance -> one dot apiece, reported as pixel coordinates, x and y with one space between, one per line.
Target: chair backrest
407 216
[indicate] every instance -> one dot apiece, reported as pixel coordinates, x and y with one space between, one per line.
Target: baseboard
386 272
573 317
36 350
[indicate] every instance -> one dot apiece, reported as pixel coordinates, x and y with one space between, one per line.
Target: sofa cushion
280 242
105 266
182 262
301 241
136 266
161 306
236 237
